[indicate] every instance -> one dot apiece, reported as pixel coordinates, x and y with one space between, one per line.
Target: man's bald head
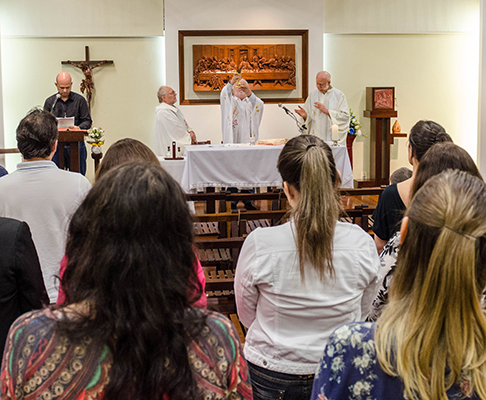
323 81
64 84
166 94
64 78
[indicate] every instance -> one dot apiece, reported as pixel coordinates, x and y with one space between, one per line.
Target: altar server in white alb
170 124
241 111
325 107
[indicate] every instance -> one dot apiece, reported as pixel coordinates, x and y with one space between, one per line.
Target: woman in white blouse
297 282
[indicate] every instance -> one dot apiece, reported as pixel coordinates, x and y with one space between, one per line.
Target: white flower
337 364
342 333
365 360
359 133
358 387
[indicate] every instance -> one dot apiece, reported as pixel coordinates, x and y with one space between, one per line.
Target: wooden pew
220 282
219 252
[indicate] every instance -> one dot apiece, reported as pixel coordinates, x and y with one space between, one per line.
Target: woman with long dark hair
295 283
121 152
128 329
430 342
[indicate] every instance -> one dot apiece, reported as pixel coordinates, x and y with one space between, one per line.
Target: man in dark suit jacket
21 284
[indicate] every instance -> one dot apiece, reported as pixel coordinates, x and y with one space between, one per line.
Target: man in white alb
325 107
241 112
170 124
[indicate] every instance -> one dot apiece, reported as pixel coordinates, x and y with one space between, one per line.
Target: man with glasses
170 124
325 107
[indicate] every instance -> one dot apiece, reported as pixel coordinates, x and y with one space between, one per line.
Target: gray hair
400 175
161 92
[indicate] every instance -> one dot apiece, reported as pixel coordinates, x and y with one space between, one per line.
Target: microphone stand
302 128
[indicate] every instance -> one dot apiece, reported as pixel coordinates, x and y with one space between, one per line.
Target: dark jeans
235 190
67 158
271 385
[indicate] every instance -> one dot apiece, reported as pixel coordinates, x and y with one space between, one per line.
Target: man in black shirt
66 103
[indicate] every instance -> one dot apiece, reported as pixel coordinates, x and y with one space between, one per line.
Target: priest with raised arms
241 111
325 107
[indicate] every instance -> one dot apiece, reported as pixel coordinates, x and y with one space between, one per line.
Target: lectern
380 108
71 137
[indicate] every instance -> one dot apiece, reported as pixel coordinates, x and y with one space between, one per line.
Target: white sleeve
246 292
340 116
256 114
168 128
172 125
225 101
84 188
308 105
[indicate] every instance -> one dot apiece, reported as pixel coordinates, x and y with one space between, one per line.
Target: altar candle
335 132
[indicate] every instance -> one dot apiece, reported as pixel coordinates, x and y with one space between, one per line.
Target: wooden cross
87 66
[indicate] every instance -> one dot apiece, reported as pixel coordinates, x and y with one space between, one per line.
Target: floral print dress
349 369
388 260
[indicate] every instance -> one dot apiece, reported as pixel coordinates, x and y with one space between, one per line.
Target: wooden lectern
380 107
71 137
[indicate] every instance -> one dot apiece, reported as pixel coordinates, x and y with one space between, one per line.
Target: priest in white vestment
325 107
241 112
170 124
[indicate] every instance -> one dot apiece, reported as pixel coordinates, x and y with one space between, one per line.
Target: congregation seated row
128 325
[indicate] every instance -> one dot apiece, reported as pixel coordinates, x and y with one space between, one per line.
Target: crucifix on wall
87 66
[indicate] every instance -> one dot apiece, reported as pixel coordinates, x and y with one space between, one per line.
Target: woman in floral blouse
127 329
430 342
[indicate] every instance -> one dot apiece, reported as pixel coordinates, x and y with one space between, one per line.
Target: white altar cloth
240 165
174 167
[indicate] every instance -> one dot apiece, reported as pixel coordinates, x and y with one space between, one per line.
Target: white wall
232 14
435 77
61 18
400 16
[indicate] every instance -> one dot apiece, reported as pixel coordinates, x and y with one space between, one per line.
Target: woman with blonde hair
295 283
430 342
439 158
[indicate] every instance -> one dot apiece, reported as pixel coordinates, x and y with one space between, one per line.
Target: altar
239 165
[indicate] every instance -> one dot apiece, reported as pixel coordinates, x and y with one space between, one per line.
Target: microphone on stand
55 101
301 127
284 108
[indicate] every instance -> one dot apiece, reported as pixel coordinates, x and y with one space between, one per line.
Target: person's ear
286 190
403 229
54 148
291 193
338 181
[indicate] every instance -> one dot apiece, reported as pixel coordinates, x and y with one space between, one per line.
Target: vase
349 144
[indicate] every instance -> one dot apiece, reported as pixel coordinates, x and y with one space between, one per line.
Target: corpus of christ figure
87 66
